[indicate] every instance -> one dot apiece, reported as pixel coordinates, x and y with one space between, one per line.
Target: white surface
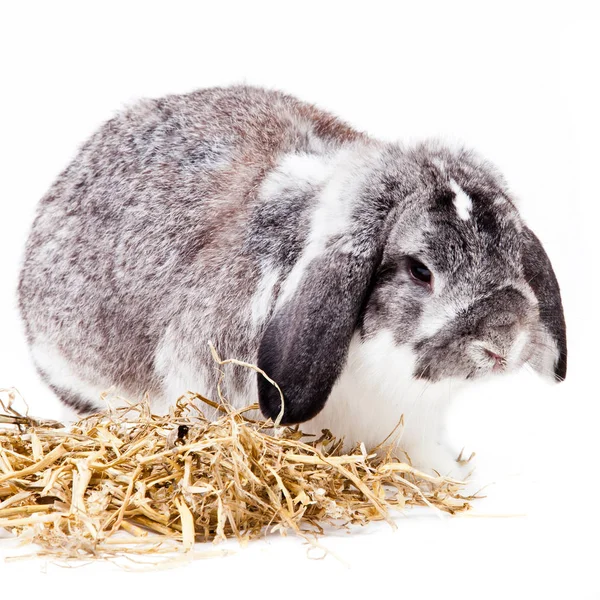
517 82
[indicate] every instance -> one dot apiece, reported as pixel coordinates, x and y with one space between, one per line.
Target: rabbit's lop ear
540 276
305 343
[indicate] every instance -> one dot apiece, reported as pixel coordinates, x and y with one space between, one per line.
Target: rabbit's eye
419 271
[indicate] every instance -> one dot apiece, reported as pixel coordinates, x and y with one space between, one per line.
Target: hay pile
128 480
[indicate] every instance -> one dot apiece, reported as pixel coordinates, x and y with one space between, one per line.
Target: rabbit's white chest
375 389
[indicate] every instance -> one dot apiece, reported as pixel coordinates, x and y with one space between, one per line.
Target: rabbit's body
151 241
229 215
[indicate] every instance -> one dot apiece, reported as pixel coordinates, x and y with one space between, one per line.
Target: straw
127 480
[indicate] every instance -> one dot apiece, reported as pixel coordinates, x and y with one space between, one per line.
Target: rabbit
364 277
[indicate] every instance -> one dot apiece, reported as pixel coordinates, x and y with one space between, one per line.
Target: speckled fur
248 218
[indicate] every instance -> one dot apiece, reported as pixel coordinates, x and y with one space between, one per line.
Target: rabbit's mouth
472 358
498 361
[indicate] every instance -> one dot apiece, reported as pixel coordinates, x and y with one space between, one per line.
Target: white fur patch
301 171
515 353
527 291
61 374
177 374
462 202
546 352
261 300
375 389
328 219
435 318
338 178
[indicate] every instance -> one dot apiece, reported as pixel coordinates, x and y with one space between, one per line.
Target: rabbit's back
140 245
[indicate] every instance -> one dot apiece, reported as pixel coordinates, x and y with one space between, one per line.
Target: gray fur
153 241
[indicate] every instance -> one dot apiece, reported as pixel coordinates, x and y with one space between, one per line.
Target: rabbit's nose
500 361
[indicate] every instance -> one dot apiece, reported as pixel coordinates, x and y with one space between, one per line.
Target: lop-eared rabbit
362 276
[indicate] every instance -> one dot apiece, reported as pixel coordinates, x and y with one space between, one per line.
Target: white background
518 82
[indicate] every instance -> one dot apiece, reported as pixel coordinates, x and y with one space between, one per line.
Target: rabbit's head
428 245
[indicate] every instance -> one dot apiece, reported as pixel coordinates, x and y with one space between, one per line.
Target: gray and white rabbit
362 276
